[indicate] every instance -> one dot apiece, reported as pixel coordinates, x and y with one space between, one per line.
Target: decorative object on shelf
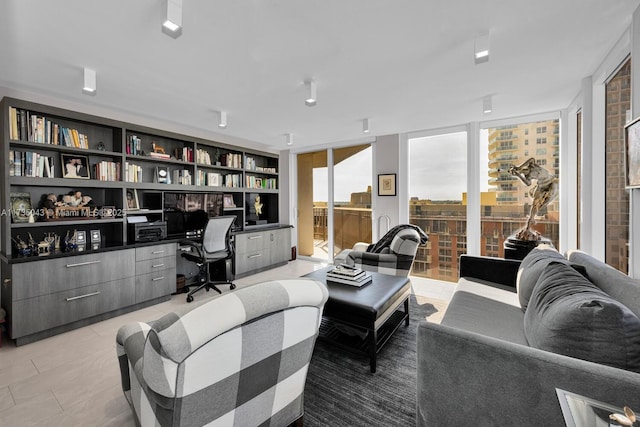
387 184
257 204
81 240
228 201
75 166
21 207
101 146
158 151
95 239
162 175
132 200
22 247
542 193
107 212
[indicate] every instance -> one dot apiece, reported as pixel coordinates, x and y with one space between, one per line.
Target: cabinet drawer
44 312
158 264
155 251
251 261
156 284
251 242
60 274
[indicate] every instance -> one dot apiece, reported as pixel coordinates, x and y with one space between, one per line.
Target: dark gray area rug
341 391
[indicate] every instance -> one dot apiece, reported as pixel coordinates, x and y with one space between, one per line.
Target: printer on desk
140 230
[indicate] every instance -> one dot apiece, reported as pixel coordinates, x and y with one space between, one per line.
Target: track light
481 52
289 138
172 22
365 125
487 104
89 87
311 98
223 120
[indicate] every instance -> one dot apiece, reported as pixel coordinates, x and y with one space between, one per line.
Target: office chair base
210 285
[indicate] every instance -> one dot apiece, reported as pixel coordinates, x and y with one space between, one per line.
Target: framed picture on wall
632 153
387 184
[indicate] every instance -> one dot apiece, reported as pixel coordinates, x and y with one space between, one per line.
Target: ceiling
407 65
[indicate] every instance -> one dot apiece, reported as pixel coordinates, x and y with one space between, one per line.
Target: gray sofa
478 367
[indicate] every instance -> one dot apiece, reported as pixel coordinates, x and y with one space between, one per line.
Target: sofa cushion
616 284
530 269
569 315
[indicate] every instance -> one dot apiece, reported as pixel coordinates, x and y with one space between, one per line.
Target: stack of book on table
348 275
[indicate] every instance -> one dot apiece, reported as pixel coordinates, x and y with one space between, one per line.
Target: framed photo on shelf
632 153
75 166
21 207
162 175
387 184
228 201
132 200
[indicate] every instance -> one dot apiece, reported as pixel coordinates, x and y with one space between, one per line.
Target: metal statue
542 193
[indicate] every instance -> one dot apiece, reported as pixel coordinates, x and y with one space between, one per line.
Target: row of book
250 165
132 172
203 157
210 179
232 160
263 183
233 180
182 177
349 276
27 126
30 163
107 171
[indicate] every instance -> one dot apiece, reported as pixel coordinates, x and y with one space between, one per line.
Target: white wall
386 160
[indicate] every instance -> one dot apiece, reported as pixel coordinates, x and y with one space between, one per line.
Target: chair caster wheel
189 298
232 287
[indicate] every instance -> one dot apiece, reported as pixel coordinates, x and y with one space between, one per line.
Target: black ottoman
372 308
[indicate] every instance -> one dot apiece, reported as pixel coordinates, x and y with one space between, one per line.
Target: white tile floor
73 379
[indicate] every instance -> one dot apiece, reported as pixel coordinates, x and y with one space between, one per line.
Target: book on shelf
365 279
159 155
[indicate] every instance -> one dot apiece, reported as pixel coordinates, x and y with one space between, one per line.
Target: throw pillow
569 315
530 269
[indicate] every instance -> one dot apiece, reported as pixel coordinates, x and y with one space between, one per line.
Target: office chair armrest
194 245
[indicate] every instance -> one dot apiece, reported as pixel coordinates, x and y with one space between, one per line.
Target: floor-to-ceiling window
437 191
351 196
618 102
505 200
312 223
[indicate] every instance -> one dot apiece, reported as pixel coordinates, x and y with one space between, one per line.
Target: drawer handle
254 256
158 252
157 278
80 264
83 296
255 237
157 265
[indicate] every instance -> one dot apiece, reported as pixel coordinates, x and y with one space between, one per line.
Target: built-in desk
47 295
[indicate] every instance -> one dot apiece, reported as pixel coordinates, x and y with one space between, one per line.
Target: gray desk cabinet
155 271
262 249
44 297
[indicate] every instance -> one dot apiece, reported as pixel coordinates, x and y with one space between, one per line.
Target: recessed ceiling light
89 87
311 97
172 22
487 104
223 120
481 51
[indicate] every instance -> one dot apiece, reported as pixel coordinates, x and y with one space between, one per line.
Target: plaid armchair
393 254
238 359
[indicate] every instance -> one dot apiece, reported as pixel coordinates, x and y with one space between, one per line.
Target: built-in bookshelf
51 152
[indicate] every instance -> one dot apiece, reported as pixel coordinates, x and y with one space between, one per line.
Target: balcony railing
351 225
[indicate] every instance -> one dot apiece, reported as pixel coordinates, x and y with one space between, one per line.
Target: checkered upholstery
240 359
394 259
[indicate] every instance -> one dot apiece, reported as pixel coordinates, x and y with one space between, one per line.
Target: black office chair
216 246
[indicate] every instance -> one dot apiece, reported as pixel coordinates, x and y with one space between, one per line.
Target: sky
437 164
